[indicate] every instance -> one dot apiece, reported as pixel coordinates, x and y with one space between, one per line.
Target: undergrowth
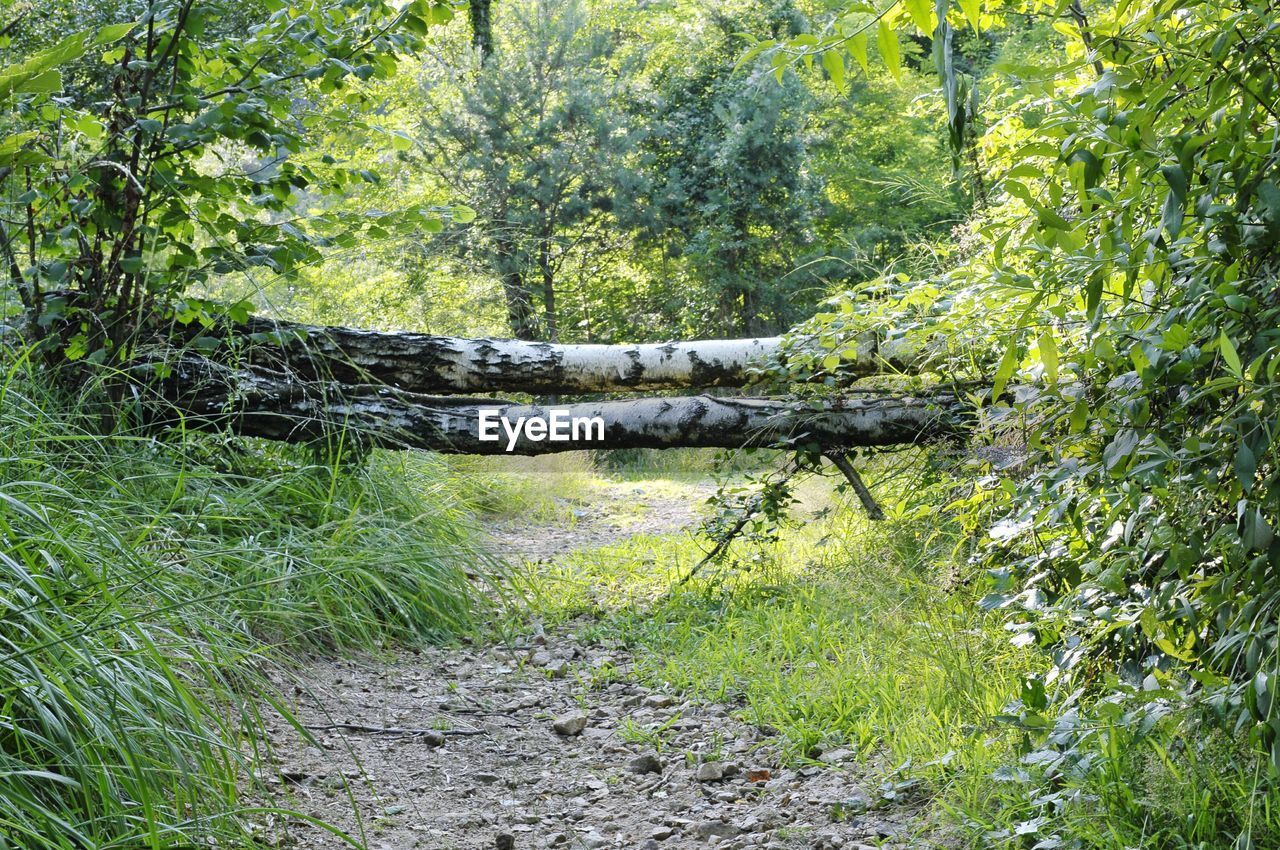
841 634
148 583
534 489
845 633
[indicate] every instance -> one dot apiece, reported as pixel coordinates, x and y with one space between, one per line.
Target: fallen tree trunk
203 394
423 363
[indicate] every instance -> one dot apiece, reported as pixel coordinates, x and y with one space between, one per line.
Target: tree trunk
423 363
520 312
548 289
203 394
481 15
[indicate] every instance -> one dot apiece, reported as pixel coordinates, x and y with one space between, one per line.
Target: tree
535 142
206 395
173 157
887 183
729 189
1125 272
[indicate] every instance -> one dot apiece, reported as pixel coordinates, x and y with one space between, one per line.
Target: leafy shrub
1119 301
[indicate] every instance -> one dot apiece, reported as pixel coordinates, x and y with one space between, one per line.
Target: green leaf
35 67
1206 677
921 15
890 51
1175 203
463 214
77 347
416 25
440 13
1246 467
1033 693
1229 355
1169 649
1079 417
858 50
108 34
1005 370
1093 295
239 312
1048 349
49 82
1120 448
972 11
10 145
833 63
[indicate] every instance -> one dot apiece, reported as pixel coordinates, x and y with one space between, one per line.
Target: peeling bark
423 363
207 395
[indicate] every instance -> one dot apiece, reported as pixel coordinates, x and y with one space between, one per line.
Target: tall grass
145 584
534 489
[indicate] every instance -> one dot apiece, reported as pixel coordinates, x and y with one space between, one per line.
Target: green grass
680 464
147 584
841 634
1178 782
533 489
868 636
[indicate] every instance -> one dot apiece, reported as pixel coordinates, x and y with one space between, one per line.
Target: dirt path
549 744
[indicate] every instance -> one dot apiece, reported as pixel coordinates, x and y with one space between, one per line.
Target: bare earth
459 748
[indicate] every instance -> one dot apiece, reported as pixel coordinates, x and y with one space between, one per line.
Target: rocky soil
621 510
548 744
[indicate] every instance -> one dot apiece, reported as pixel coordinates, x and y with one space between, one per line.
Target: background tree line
631 180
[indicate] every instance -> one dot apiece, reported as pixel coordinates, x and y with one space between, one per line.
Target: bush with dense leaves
1120 293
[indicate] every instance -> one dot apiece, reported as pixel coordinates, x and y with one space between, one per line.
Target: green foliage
1120 293
887 183
145 585
642 195
177 159
728 185
535 141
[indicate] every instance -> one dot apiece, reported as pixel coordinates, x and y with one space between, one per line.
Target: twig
1086 35
12 25
388 730
723 541
869 503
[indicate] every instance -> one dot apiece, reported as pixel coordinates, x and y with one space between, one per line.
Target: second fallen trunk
207 395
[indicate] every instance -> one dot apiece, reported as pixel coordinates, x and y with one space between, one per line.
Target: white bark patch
423 363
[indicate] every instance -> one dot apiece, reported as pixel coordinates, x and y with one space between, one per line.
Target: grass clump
145 586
